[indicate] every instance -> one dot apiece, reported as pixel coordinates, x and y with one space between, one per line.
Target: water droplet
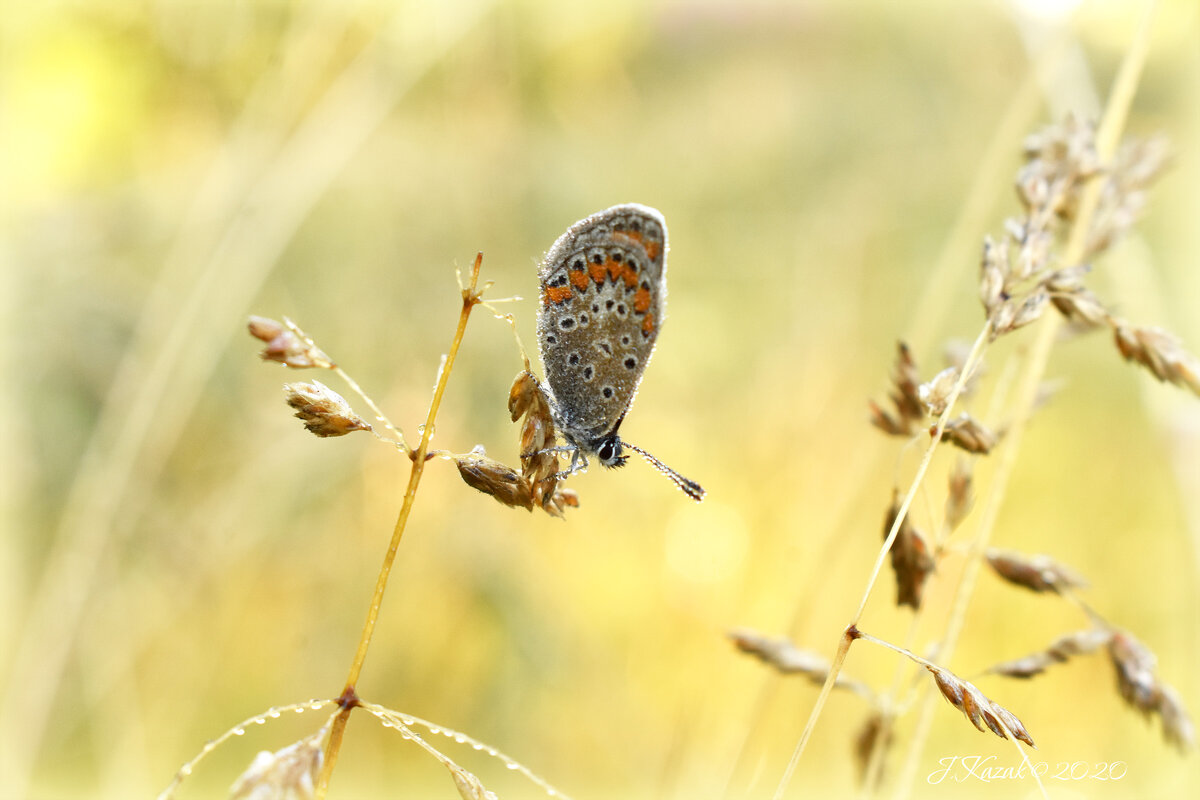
460 738
239 732
186 769
260 721
511 764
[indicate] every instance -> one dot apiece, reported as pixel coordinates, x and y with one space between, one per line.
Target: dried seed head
1137 164
1060 650
1031 309
1077 303
955 352
324 411
287 774
1010 315
960 498
468 784
969 434
1033 253
1178 729
981 711
495 478
993 273
1033 189
264 328
539 464
936 393
876 733
558 502
1160 352
1140 687
1135 666
905 397
1064 149
911 560
522 395
893 426
1038 572
780 653
1001 318
785 657
285 347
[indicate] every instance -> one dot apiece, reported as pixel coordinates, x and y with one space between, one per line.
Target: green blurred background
178 554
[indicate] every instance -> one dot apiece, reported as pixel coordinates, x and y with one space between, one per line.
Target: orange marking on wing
614 268
629 275
641 301
579 278
598 272
648 324
653 249
556 294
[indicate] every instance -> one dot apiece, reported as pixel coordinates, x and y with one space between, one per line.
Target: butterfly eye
609 453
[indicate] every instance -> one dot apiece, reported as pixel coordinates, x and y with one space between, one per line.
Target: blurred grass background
179 555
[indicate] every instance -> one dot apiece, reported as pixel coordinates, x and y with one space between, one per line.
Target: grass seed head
1038 573
287 774
324 411
285 347
495 478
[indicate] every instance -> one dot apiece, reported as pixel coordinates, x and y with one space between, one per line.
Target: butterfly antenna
689 487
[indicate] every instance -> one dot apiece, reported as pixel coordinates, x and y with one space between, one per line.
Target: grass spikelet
1140 687
1060 650
1037 573
912 561
976 707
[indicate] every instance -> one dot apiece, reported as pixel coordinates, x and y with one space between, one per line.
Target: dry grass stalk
1038 573
911 559
1138 683
1059 651
982 712
1019 279
323 411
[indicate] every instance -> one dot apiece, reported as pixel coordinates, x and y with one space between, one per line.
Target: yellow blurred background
178 554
